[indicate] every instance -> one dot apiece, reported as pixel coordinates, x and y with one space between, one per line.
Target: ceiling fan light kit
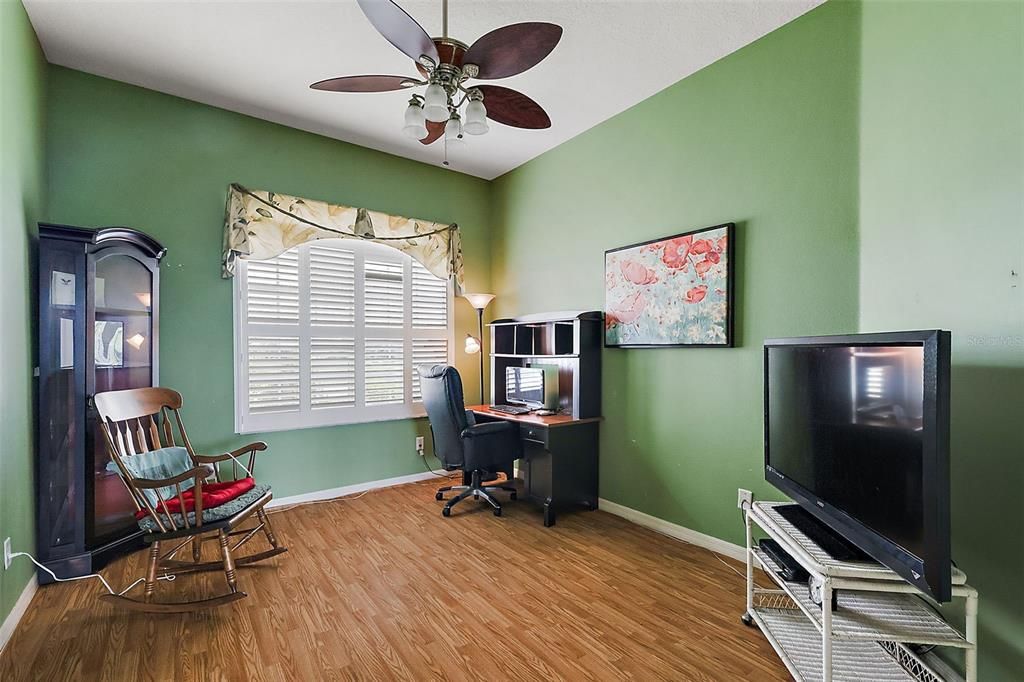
415 121
446 64
453 128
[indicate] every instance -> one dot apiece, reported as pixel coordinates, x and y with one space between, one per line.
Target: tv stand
834 544
879 613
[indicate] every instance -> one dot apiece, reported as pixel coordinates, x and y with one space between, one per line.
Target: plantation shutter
332 332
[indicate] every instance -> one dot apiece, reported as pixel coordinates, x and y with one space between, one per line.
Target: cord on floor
728 565
86 577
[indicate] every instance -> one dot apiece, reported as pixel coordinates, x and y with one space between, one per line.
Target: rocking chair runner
179 495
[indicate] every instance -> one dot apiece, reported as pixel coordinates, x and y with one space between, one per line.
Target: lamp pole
479 301
480 327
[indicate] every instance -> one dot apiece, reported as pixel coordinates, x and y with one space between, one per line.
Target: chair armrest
251 449
471 417
150 483
488 429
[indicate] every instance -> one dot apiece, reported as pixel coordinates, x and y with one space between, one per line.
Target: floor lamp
476 344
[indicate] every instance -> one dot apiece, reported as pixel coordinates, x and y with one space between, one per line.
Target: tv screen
856 431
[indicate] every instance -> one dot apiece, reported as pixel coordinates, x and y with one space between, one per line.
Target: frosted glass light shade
453 129
476 118
472 345
136 341
479 301
435 103
415 127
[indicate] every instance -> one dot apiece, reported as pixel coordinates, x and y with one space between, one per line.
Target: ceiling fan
445 65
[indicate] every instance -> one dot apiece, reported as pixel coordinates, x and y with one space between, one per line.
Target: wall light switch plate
744 498
7 553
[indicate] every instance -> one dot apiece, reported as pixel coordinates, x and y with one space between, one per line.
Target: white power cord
99 577
727 565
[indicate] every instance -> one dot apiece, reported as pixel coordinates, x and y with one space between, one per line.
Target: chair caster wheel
497 512
748 620
446 512
438 496
475 496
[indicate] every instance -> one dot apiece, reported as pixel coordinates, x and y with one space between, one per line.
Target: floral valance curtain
260 225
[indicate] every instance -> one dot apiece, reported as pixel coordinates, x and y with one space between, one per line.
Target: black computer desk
560 458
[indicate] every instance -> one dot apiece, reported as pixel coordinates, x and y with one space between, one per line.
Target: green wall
122 155
942 229
839 144
22 197
873 157
767 138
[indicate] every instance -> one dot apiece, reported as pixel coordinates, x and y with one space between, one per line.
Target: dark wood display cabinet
98 331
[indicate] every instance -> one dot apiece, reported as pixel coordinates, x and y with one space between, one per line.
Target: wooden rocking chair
179 495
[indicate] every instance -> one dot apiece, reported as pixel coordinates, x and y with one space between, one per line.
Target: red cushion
214 495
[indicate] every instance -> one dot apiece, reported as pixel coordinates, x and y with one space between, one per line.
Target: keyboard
511 409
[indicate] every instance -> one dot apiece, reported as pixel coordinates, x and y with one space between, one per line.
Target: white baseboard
673 530
20 607
332 493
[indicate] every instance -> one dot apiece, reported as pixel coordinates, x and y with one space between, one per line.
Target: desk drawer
537 434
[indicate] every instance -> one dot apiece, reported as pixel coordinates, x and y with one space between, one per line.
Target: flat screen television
856 430
534 387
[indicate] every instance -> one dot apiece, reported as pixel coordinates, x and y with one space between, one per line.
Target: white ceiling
258 57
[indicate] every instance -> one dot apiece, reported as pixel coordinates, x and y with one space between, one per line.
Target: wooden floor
382 587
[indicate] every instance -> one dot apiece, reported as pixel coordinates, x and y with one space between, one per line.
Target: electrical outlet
419 445
7 553
744 498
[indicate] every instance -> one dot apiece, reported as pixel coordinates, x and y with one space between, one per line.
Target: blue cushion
158 464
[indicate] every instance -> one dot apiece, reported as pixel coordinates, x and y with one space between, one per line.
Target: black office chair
480 451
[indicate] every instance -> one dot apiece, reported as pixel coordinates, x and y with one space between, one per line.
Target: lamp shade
479 301
435 103
453 129
415 126
476 118
472 344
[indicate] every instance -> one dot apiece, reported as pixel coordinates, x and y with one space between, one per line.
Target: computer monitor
534 387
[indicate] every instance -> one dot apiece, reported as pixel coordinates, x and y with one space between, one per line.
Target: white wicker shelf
877 613
873 616
799 645
817 560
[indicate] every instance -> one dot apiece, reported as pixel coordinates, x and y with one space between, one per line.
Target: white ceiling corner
258 57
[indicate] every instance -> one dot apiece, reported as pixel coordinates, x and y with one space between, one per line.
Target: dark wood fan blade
364 83
512 49
513 108
434 132
399 28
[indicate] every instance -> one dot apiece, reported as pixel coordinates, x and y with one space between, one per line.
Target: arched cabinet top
104 236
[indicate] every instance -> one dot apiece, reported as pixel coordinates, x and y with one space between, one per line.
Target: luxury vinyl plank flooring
381 587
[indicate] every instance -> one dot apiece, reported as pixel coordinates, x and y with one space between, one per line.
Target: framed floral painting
673 291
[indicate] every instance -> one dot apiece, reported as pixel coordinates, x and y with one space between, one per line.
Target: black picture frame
730 297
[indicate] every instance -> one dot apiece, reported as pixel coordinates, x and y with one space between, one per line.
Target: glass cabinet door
61 392
122 354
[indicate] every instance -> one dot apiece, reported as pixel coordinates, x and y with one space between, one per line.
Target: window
331 333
